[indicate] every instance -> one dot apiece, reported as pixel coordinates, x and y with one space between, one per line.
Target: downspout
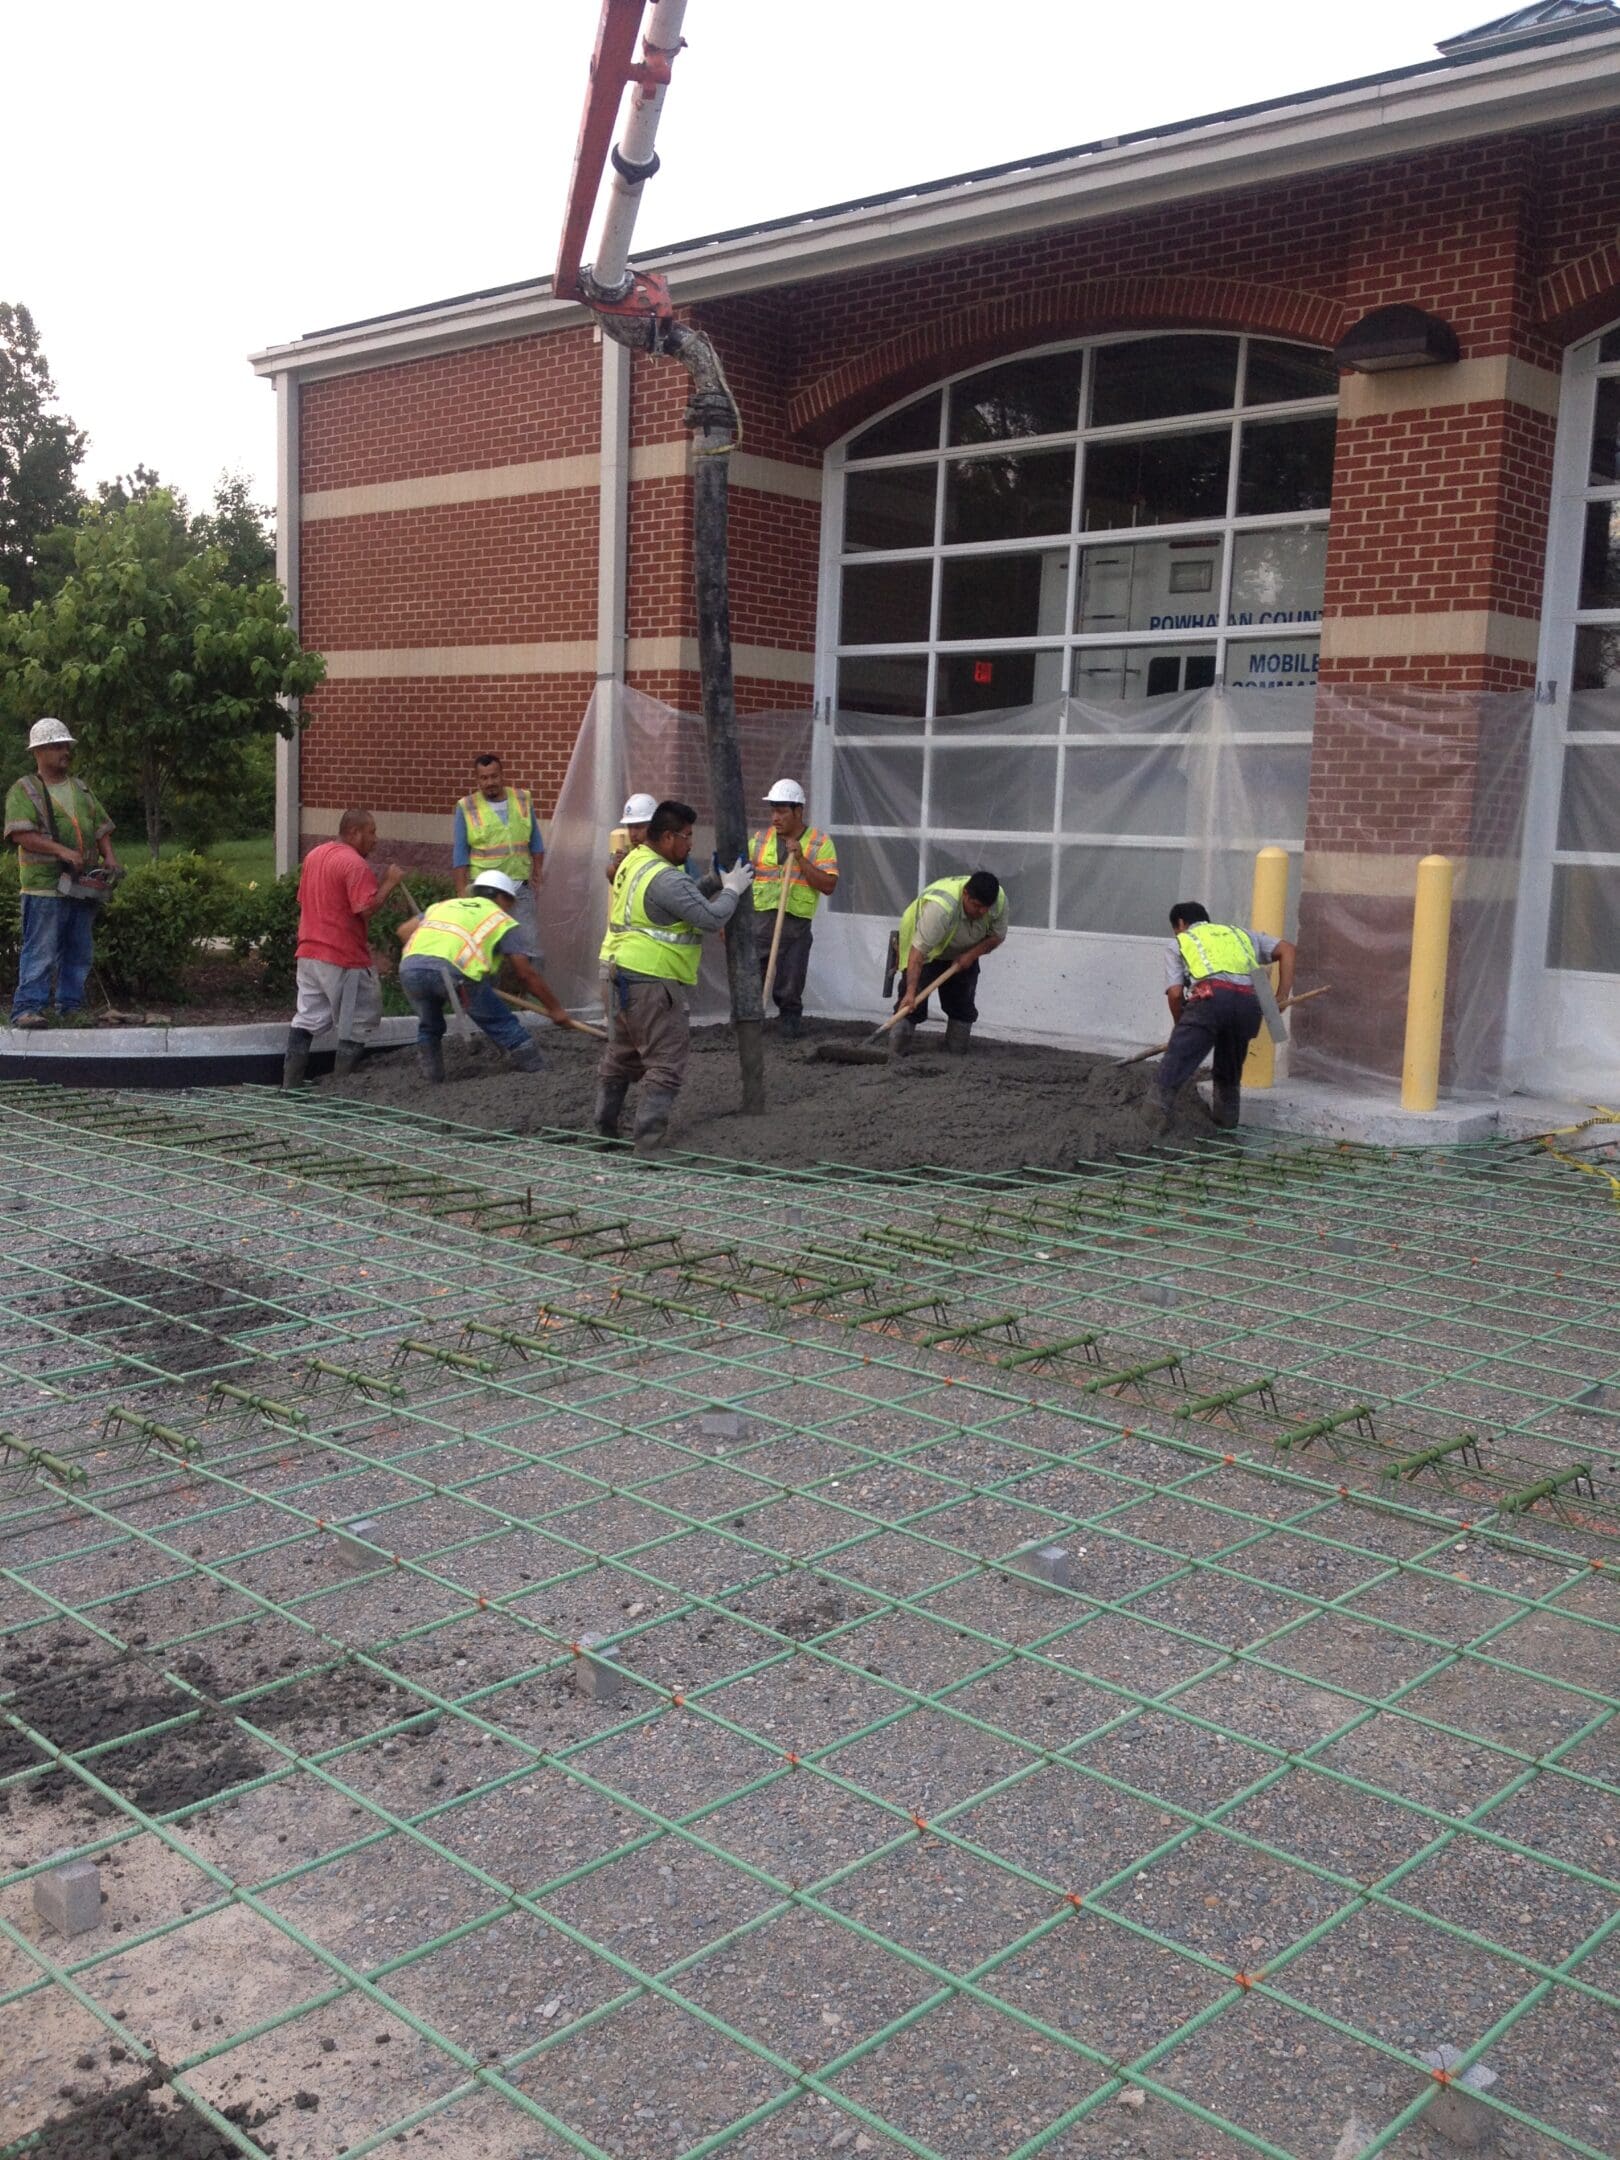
288 534
613 512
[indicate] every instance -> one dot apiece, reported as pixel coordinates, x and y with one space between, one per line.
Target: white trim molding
288 542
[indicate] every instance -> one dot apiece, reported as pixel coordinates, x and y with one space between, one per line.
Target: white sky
195 179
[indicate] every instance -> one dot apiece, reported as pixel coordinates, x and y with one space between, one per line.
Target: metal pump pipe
610 281
635 159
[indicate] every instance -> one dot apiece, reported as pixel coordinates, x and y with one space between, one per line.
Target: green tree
162 666
40 451
241 529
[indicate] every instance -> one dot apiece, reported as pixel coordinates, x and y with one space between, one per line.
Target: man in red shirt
337 979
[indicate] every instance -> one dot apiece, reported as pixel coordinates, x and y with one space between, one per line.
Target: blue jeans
423 982
56 935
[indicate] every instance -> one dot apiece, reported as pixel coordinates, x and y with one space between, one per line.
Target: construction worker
338 987
452 949
61 832
656 925
496 829
1209 974
955 915
811 862
630 832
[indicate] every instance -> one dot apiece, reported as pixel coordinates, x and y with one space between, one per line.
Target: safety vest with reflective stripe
1209 948
802 899
669 951
494 844
948 891
464 932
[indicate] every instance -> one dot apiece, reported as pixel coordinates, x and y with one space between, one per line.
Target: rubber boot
792 1026
527 1058
901 1038
295 1065
348 1057
430 1057
609 1107
652 1119
1226 1102
1161 1108
958 1037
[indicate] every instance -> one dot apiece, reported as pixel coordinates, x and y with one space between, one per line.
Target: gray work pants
650 1037
1221 1025
792 956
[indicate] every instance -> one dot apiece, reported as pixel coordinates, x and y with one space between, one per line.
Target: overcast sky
195 179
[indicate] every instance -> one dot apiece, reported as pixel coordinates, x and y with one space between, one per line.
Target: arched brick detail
836 401
1581 296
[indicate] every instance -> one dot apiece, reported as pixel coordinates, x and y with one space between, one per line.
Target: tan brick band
569 656
554 476
1455 632
1498 379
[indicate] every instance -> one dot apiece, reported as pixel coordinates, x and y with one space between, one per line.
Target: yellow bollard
1268 911
1426 997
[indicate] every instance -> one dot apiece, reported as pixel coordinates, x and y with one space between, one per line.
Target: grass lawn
249 861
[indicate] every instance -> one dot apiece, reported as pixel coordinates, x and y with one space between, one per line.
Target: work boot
901 1037
958 1037
652 1119
609 1107
527 1058
430 1057
348 1057
1160 1110
792 1026
295 1065
1226 1100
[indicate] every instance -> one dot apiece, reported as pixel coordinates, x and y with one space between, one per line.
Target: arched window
1028 568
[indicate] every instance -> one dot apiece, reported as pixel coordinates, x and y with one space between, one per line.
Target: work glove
739 877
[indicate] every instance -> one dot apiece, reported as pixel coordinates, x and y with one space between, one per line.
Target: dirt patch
1003 1107
131 2125
178 1318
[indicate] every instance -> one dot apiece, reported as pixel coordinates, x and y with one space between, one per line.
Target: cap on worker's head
495 881
786 791
45 732
638 810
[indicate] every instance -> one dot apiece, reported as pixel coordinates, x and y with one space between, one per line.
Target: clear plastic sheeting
630 743
1441 772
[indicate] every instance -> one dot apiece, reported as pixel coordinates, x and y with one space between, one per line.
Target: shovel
524 1004
786 870
962 960
1303 998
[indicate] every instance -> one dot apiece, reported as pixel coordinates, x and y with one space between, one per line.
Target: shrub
147 930
265 921
10 917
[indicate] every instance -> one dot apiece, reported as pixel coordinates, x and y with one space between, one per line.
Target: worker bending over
953 917
452 950
656 925
811 863
1209 972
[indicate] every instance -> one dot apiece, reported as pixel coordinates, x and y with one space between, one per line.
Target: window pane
1024 868
1150 585
890 508
886 603
876 877
1134 673
1003 596
1277 576
1610 348
1018 397
1009 498
1595 702
1153 378
1125 790
1584 932
877 785
972 788
1288 371
1286 465
1605 469
875 684
1122 890
970 683
1162 480
913 427
1589 815
1600 557
1287 664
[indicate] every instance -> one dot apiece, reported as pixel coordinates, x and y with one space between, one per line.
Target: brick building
1101 529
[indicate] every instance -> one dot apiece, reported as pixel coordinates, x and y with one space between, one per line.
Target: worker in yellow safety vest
630 832
953 917
452 950
657 921
810 862
496 828
1211 973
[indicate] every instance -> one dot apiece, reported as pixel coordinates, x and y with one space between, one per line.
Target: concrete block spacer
68 1898
1048 1564
597 1674
720 1426
1455 2113
355 1542
1162 1290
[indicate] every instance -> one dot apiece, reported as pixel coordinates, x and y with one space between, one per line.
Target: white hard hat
638 810
495 881
786 791
45 732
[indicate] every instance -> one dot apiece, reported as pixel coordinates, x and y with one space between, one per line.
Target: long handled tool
962 960
786 869
524 1004
1158 1050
